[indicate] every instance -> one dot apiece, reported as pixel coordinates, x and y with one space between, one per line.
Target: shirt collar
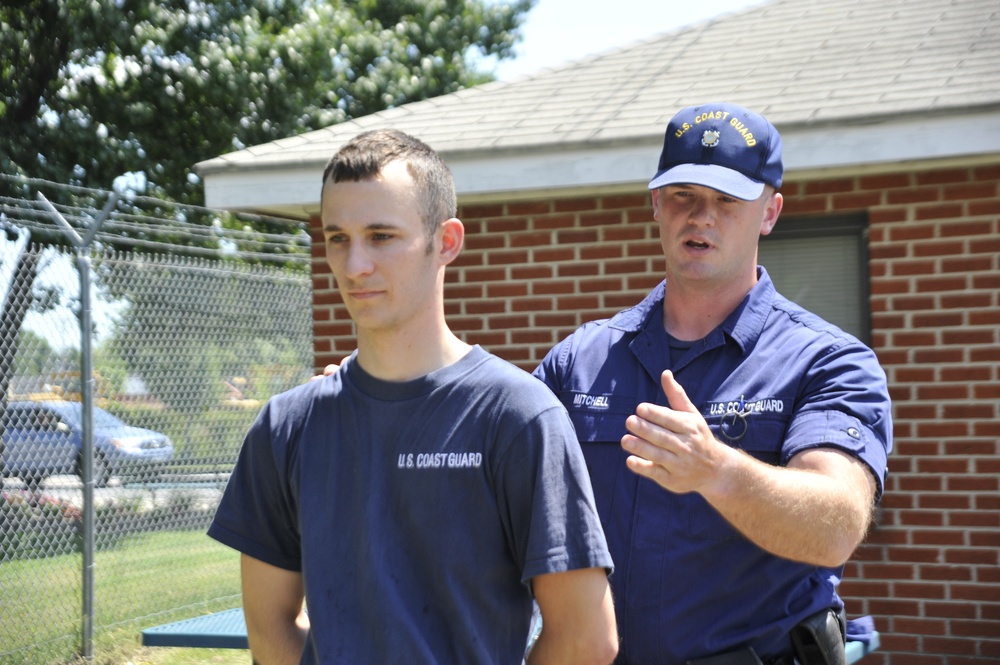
743 325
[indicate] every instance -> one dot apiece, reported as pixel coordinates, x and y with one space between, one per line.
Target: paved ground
201 492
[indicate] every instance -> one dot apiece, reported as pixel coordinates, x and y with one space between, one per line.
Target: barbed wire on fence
149 224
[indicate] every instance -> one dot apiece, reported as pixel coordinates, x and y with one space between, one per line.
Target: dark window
822 264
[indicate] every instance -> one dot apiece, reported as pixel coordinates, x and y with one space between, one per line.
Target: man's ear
452 236
771 213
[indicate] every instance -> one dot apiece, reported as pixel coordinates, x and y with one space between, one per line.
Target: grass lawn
173 656
139 582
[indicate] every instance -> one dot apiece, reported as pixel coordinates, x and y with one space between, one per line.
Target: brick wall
531 272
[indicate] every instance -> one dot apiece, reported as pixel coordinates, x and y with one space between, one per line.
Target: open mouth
696 244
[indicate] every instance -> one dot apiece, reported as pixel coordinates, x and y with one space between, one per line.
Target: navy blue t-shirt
772 380
417 512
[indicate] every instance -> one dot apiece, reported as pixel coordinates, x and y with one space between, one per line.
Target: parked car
45 438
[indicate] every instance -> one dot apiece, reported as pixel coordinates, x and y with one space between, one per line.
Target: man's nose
702 213
358 260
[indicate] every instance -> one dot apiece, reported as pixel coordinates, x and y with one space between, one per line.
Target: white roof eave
293 189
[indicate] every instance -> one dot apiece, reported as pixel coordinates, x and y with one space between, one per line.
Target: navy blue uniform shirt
773 380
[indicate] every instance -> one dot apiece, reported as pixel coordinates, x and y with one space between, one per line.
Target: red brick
940 211
920 626
989 354
532 337
624 201
911 267
891 286
988 538
950 646
885 181
974 519
805 206
989 172
914 554
485 307
485 275
958 411
978 592
973 447
576 236
984 207
856 200
506 225
909 232
942 355
621 234
554 255
829 186
938 537
918 195
506 290
950 610
936 430
532 305
968 373
532 272
967 301
912 338
946 573
967 191
939 283
574 205
887 215
604 218
921 483
942 177
554 222
913 303
536 239
987 428
527 208
482 210
944 501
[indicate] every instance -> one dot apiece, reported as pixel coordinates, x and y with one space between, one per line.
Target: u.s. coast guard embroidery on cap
710 138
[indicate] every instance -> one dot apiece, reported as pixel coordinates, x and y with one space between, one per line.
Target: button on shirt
773 380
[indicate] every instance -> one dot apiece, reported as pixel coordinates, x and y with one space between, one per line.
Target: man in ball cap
763 428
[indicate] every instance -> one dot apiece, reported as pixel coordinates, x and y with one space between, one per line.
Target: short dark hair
364 157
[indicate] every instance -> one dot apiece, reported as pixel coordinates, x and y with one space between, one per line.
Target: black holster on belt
819 639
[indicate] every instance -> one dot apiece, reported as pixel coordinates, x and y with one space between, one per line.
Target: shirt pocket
600 425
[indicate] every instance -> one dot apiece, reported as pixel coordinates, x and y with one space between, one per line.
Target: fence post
87 401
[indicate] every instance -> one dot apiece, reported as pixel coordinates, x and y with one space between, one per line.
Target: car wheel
102 471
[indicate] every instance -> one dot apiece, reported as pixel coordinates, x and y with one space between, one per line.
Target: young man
763 429
423 495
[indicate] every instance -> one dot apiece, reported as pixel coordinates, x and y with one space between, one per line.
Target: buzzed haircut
363 158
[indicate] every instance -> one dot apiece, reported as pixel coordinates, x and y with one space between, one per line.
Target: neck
690 313
398 356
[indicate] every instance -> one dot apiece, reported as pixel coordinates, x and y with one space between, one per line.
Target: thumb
676 397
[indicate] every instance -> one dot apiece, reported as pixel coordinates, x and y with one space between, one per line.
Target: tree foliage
91 90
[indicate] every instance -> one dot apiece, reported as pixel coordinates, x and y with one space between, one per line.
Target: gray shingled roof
816 65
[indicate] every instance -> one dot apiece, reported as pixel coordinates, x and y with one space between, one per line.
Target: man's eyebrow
374 226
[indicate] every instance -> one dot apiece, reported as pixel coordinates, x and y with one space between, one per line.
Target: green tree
91 90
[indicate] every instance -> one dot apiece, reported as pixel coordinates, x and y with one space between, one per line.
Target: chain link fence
194 318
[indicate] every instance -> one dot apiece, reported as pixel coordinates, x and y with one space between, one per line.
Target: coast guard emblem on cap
710 138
